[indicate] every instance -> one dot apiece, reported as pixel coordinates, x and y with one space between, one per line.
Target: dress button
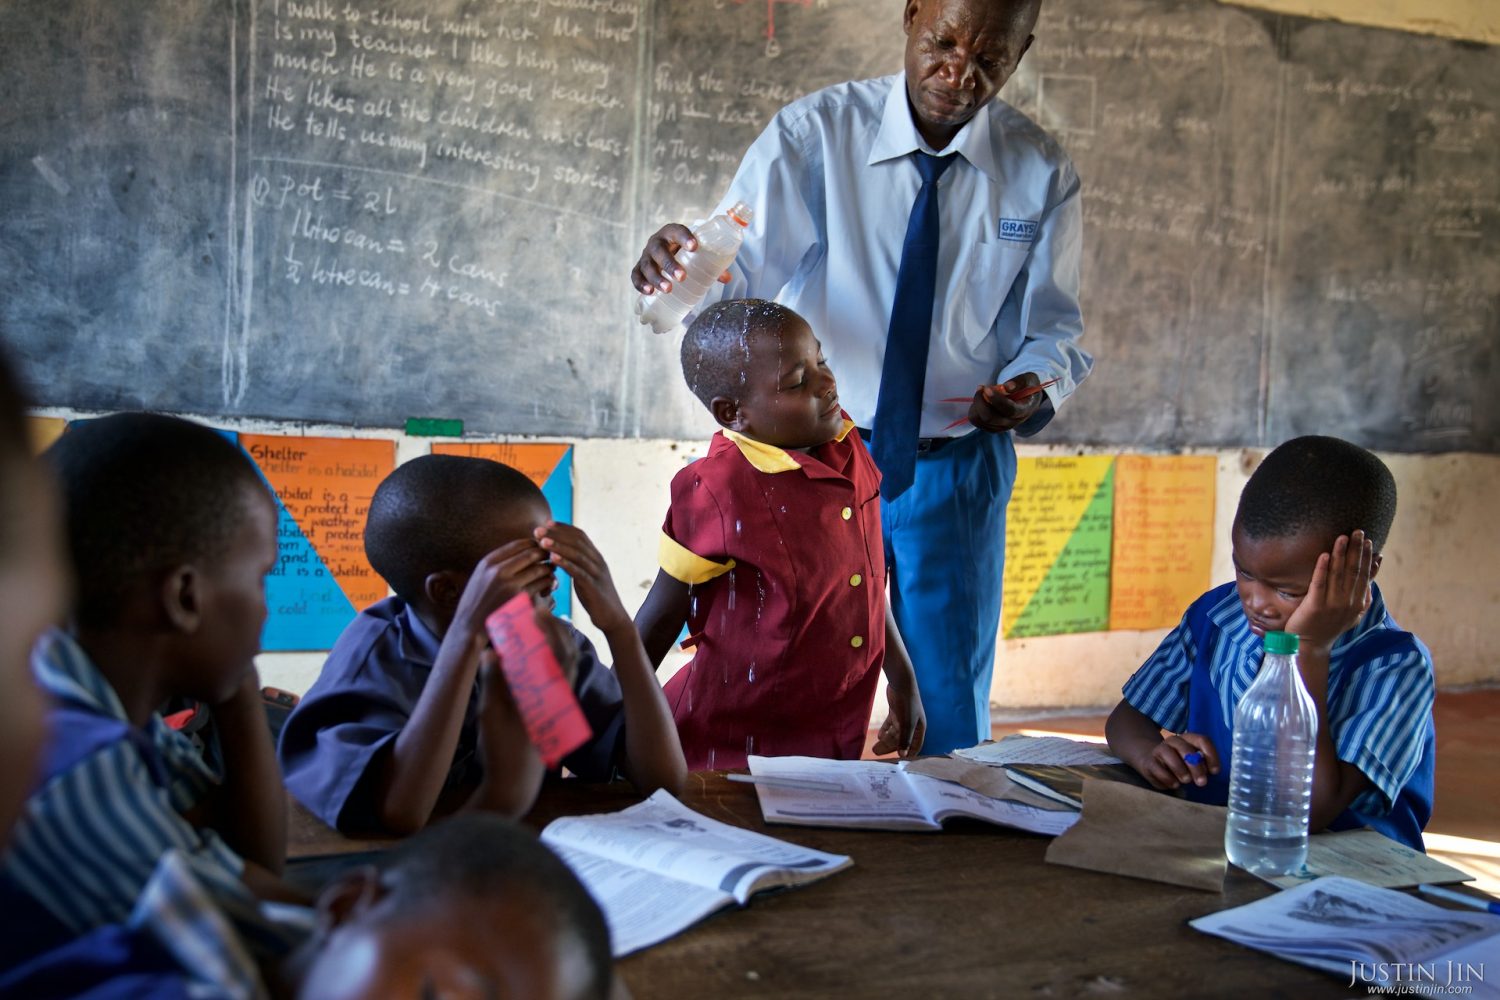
856 580
846 513
857 641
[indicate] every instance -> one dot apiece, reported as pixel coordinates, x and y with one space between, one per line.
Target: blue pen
1193 758
1458 897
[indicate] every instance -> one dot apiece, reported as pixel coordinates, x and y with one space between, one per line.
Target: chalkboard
359 213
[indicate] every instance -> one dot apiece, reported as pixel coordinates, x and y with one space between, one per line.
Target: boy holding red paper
412 716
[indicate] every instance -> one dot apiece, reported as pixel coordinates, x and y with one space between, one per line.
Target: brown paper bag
1133 831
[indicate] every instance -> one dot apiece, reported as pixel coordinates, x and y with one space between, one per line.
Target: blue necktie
898 410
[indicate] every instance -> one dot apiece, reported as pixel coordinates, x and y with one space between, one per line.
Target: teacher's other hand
995 411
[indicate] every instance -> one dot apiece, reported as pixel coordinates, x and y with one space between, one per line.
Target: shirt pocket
993 268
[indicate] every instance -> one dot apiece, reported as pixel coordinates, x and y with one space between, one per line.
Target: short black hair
143 492
1319 484
427 517
485 856
716 347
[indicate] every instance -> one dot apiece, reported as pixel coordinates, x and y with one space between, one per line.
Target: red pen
1024 392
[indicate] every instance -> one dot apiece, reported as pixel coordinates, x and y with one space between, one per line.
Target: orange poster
1163 544
44 430
325 486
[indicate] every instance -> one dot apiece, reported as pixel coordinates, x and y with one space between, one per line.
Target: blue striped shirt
177 943
1378 709
94 831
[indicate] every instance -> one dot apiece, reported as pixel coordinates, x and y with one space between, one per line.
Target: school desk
972 912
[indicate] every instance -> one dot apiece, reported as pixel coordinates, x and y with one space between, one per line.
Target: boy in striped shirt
1306 544
171 532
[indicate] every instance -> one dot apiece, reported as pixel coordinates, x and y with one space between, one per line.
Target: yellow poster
1057 547
1164 523
44 430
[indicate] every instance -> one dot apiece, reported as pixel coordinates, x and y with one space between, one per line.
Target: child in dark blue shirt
411 716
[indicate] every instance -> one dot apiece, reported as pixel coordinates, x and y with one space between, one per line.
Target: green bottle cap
1284 643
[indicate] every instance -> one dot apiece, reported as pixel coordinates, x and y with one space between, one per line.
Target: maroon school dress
783 554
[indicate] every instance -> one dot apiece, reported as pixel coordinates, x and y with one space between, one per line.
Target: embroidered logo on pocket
1017 230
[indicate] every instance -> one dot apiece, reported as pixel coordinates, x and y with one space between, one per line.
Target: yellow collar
767 457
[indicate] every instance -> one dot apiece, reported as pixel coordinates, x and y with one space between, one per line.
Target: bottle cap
741 213
1284 643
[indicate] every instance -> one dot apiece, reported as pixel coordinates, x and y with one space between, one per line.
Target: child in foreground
771 554
411 715
33 587
475 906
171 532
1306 543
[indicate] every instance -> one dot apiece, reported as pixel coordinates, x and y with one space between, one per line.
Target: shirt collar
770 459
419 645
65 671
898 135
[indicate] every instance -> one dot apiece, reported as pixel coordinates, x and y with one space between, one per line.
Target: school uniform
1380 696
783 554
366 693
175 944
109 804
832 179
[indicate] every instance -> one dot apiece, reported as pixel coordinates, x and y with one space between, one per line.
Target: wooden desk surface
971 912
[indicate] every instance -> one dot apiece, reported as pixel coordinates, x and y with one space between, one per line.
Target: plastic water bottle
1271 771
718 241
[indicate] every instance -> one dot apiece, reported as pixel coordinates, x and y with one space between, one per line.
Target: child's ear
442 590
727 412
348 897
1374 566
181 599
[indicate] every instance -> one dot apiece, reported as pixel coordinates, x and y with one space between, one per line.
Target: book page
665 837
942 799
1371 857
1346 927
871 794
641 907
1018 749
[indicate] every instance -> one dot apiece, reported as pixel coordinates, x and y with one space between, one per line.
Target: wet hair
716 348
484 856
428 516
142 493
1322 485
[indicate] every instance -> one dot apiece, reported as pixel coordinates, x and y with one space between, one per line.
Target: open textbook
872 794
657 868
1370 937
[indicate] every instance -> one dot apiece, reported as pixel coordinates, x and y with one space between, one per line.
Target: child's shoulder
381 639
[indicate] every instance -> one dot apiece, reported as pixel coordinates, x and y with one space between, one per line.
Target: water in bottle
1271 770
718 241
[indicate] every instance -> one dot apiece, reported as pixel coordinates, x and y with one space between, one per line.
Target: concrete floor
1465 826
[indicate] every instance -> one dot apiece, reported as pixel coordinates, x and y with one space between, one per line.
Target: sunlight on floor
1480 858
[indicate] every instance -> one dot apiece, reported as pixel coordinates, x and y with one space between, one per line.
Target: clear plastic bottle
1271 771
718 241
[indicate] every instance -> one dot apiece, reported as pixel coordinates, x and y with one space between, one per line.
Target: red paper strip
549 709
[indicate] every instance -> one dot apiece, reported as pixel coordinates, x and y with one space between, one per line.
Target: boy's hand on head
1179 759
993 410
572 550
1338 595
499 576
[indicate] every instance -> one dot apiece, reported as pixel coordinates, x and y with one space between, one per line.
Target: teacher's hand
995 411
658 267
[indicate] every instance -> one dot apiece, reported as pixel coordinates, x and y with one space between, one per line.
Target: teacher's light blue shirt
832 181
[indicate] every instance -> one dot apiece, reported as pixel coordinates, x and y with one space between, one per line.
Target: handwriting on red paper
545 699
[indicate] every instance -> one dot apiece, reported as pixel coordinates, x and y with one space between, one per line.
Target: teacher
931 236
